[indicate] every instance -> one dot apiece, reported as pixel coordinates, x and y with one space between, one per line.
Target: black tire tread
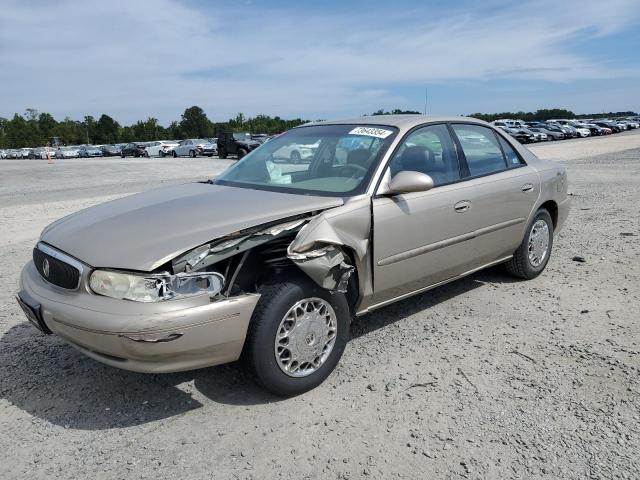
272 289
518 265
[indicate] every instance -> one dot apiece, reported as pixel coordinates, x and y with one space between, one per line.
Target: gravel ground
484 378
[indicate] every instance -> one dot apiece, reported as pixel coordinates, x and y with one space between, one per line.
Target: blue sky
316 60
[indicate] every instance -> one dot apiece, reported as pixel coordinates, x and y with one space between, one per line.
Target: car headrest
359 156
417 158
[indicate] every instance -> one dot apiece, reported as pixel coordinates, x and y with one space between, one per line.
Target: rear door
504 191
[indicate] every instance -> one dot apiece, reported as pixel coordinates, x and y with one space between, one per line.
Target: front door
421 238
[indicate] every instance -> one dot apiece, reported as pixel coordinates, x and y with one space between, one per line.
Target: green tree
195 124
46 125
107 130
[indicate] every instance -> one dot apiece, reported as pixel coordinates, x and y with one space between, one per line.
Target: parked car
296 153
110 150
160 148
520 135
66 152
194 147
273 263
595 130
551 134
3 154
583 131
610 125
260 138
87 151
133 150
538 135
238 144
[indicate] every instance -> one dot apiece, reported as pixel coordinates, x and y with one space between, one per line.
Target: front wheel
532 256
161 153
175 154
297 335
241 153
222 154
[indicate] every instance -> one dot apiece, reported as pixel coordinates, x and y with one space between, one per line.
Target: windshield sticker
371 132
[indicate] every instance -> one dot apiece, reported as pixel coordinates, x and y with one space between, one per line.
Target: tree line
548 114
36 129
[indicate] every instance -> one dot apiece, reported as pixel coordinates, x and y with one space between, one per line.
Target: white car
583 132
66 152
161 148
296 153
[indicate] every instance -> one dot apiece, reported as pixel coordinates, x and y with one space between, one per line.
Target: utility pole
426 99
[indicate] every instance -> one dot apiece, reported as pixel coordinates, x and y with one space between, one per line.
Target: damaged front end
328 266
244 260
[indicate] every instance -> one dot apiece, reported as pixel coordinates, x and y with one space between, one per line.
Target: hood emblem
45 268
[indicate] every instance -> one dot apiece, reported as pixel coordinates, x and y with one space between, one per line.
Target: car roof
403 122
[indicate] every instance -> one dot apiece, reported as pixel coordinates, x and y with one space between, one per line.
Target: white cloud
134 59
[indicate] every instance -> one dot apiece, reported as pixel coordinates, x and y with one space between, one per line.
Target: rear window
481 149
513 159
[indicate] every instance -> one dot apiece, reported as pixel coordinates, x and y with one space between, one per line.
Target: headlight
154 287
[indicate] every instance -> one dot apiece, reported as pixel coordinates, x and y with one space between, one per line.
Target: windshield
329 160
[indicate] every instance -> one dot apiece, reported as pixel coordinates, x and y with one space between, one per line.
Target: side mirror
408 181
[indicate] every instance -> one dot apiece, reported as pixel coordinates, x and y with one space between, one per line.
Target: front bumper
169 336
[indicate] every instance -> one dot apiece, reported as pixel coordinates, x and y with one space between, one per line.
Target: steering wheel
356 169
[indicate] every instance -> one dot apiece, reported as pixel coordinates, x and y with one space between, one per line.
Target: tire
276 301
521 264
222 154
241 153
295 157
192 154
161 154
175 155
146 154
122 154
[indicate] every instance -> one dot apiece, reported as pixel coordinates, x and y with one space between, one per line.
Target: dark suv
133 150
235 144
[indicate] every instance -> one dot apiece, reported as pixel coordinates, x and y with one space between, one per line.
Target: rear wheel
297 334
192 154
241 153
533 254
161 153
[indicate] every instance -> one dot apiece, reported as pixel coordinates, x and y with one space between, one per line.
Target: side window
428 150
513 160
481 149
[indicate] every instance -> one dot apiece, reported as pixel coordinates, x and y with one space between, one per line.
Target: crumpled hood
143 231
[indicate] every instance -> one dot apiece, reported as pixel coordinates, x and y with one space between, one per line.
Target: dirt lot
484 378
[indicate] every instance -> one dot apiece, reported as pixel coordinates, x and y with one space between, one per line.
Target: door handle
462 206
527 187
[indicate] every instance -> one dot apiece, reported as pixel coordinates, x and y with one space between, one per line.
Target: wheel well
551 207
